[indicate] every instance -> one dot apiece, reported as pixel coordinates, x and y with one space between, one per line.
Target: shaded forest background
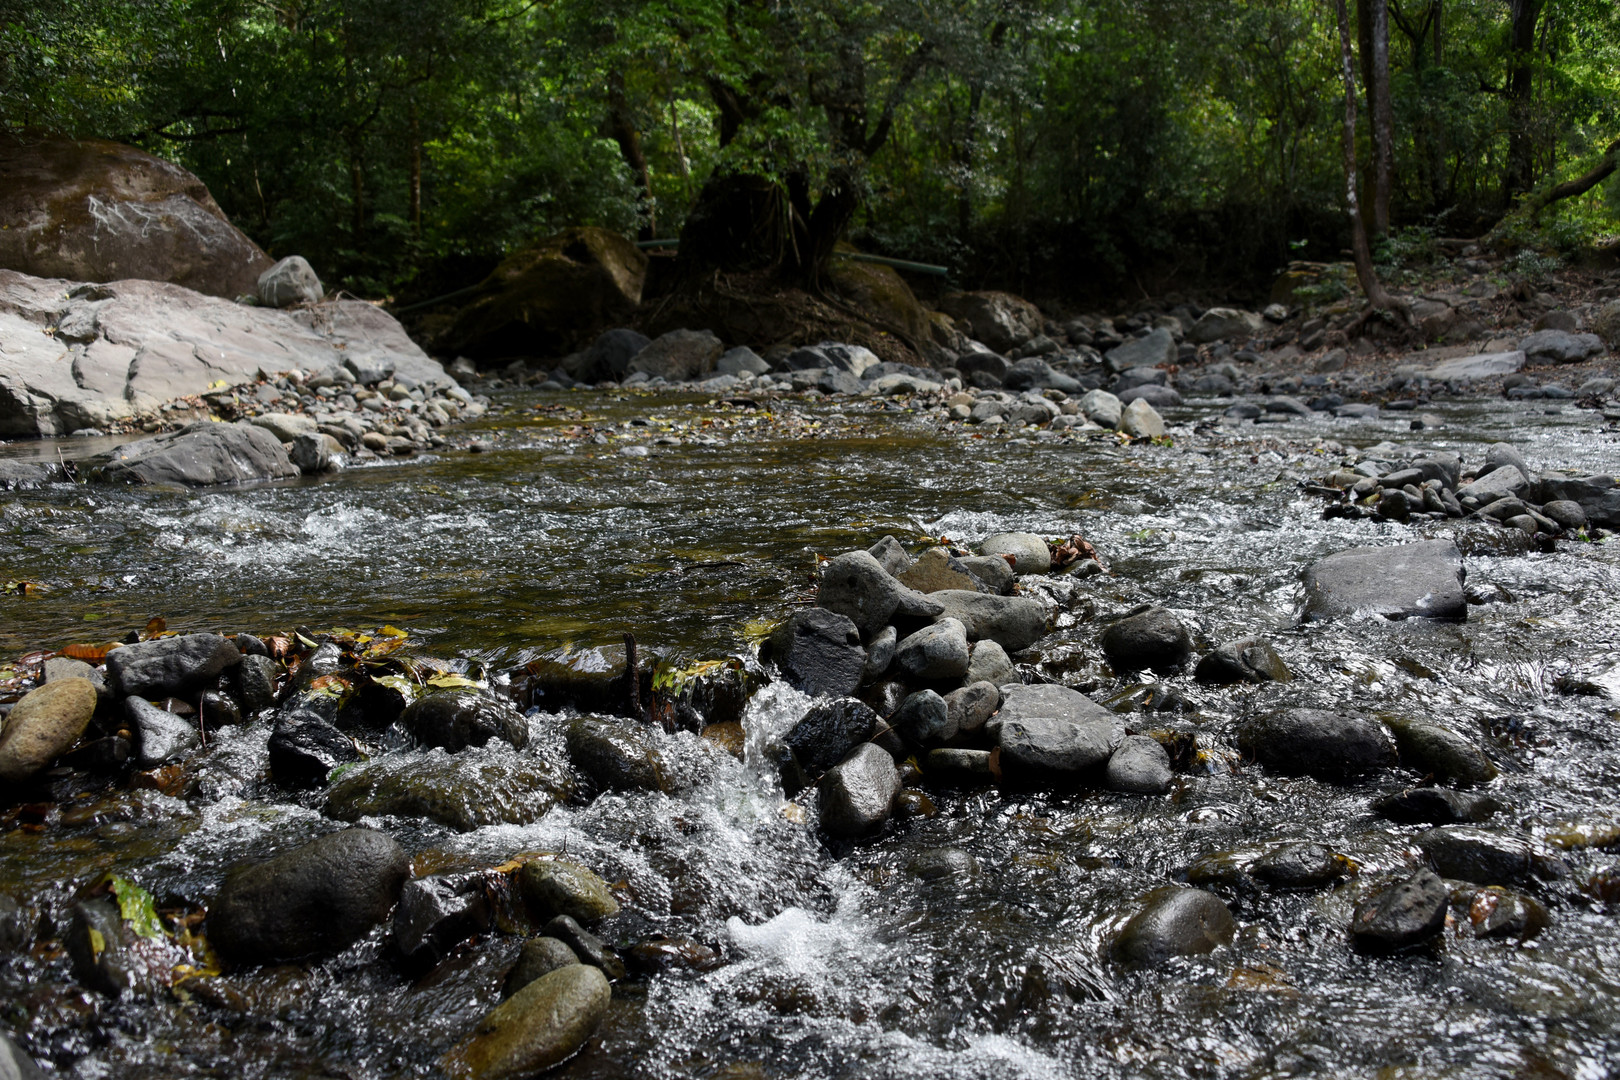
1071 147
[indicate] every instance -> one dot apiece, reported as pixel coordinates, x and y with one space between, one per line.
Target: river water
840 960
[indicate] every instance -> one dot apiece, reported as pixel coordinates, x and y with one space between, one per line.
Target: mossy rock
464 791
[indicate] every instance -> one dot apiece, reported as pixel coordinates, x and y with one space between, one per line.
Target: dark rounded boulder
1246 660
819 651
316 899
456 719
1316 742
1154 638
1402 914
1174 921
615 756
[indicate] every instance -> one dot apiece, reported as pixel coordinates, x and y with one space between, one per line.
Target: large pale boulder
1000 320
76 355
551 299
92 210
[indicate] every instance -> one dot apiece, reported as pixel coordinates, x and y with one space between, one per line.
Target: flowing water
841 960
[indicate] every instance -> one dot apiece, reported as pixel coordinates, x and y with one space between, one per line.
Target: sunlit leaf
136 906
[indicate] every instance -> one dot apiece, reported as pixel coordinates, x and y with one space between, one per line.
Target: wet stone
1013 622
891 555
1402 914
590 949
958 766
305 748
1174 921
539 956
1495 912
1488 857
935 653
315 899
857 586
1246 660
1029 552
1316 742
1439 751
541 1025
988 662
924 718
1436 806
217 710
160 736
16 1065
664 954
937 570
971 706
943 863
1419 580
464 791
1298 866
43 725
1139 767
994 574
560 887
827 732
175 665
615 756
1154 638
857 795
880 654
95 944
437 913
1051 733
819 652
456 720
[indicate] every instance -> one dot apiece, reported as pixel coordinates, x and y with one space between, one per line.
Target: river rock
1488 857
924 718
1436 806
1301 865
1152 349
856 586
1048 732
559 887
290 281
540 956
1560 347
936 653
1102 408
934 864
1246 660
880 654
679 355
819 652
1225 324
1496 912
160 736
590 949
994 573
1401 915
319 898
1500 483
93 210
1139 767
1447 755
1154 638
254 683
825 735
539 1026
456 719
305 747
1480 366
201 455
95 941
16 1065
463 791
937 569
1029 552
1160 397
1316 742
615 756
1013 622
1141 420
588 679
608 359
988 662
858 793
437 913
970 707
1000 320
891 555
170 666
1174 921
1418 580
43 726
741 361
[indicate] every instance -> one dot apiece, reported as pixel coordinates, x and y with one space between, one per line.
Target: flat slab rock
1405 581
203 454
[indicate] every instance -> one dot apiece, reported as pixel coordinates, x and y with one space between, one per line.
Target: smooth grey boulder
1160 397
203 454
540 956
1401 915
1139 767
857 586
169 666
44 725
1439 751
1141 420
561 887
858 793
590 949
316 454
1301 865
937 569
1029 552
936 653
988 662
286 427
880 653
160 736
609 356
1246 660
970 707
1561 347
369 369
539 1026
819 652
1489 857
1013 622
1048 732
1154 638
679 355
994 573
924 718
741 361
1436 806
290 281
615 756
1316 742
826 733
1225 324
315 899
1156 347
891 555
1418 580
1481 366
1102 408
1502 482
456 719
1174 921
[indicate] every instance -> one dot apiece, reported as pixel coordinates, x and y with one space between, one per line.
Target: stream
839 959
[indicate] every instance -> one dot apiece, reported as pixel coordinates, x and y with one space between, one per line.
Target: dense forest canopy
1060 145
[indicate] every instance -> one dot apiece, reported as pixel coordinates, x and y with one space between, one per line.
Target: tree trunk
1365 274
1521 156
1383 123
621 127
